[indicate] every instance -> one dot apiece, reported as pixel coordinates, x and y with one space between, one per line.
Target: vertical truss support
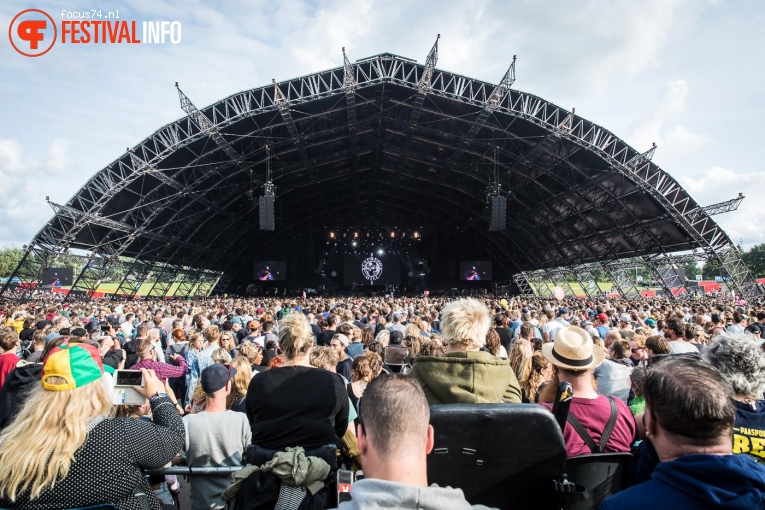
219 285
617 273
559 278
35 261
584 275
426 81
521 280
135 276
349 85
744 283
163 281
284 109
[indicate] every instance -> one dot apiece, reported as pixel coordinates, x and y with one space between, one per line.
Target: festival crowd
288 391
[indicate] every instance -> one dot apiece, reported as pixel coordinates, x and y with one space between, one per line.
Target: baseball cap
602 317
343 339
216 376
563 311
625 317
78 332
650 322
42 324
77 364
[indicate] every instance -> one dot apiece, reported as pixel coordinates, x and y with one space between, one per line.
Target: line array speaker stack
266 210
498 218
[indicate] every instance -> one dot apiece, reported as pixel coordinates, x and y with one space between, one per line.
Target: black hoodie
19 382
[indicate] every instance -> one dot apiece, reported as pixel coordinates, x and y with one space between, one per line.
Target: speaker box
498 213
266 210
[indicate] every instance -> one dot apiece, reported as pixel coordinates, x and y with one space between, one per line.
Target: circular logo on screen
371 268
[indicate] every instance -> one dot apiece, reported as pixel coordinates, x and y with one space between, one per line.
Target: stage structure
390 142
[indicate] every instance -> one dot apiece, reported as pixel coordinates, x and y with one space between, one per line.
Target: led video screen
58 277
270 270
371 270
475 270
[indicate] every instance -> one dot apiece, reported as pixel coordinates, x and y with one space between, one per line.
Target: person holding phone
80 456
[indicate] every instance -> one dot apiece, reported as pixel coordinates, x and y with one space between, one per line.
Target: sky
686 74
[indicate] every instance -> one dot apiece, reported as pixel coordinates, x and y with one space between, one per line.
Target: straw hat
573 349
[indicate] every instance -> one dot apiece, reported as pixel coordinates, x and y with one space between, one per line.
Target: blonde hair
324 357
295 335
466 322
56 420
531 375
411 330
240 381
193 340
383 337
221 355
211 333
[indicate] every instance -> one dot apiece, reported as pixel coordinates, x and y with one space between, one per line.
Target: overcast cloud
685 74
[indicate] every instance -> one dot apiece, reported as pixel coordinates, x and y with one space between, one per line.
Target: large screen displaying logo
371 269
270 270
475 270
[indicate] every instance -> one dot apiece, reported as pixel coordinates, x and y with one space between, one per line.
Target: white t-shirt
552 328
681 347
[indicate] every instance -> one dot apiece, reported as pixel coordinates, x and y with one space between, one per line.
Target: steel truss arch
172 207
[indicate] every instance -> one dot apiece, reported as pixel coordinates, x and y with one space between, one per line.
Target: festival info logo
32 32
371 268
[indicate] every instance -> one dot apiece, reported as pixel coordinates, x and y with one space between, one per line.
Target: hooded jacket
371 494
15 391
472 377
733 482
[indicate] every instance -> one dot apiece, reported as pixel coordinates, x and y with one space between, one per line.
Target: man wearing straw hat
596 423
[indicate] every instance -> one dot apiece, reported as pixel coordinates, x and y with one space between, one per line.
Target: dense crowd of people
280 386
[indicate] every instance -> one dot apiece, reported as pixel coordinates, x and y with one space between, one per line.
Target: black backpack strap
571 419
595 448
609 427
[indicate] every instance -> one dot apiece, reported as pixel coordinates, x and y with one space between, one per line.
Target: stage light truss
162 253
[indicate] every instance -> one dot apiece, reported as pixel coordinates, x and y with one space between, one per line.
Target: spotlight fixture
380 252
354 244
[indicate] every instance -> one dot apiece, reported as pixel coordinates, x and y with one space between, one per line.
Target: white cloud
717 184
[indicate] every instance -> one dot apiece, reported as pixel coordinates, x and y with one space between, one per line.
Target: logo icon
371 268
32 33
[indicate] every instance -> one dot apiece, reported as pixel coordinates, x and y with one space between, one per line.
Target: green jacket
474 377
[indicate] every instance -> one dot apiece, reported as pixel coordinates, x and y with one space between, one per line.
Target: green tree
9 260
755 260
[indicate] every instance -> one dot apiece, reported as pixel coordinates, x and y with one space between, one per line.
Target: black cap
42 324
215 377
79 332
396 337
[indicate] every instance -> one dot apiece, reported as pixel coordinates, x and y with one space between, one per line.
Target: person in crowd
239 384
364 369
268 333
111 354
638 351
674 331
742 362
9 343
535 371
228 343
603 326
153 335
494 344
741 321
80 457
339 342
221 356
356 347
270 351
689 418
466 374
296 404
656 344
147 353
520 350
324 357
613 375
574 357
395 438
253 331
501 325
205 445
196 343
38 344
637 383
254 355
396 325
212 339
